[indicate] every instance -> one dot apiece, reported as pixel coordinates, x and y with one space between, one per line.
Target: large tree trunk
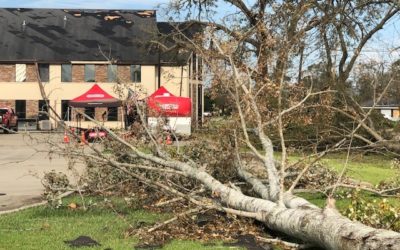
325 228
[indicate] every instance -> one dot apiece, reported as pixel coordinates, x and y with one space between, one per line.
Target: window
43 113
44 72
112 114
65 110
89 111
89 73
136 73
66 73
112 73
43 106
20 72
20 108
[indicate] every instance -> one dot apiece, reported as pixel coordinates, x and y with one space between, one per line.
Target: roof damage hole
146 13
23 25
111 18
65 21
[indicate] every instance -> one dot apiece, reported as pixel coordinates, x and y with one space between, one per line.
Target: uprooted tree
251 56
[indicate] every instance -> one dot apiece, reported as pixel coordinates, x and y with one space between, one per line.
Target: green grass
47 228
366 168
370 168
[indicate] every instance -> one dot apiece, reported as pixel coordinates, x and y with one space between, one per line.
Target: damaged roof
65 35
172 35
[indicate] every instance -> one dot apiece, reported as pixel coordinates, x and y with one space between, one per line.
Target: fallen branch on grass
159 225
374 191
35 204
282 242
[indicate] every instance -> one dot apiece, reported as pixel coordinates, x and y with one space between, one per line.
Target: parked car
8 119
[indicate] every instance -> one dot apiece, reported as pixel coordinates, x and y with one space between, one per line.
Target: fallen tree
251 62
297 217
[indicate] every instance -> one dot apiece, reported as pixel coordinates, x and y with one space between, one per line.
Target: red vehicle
8 120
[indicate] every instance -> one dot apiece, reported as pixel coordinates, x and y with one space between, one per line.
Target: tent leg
122 118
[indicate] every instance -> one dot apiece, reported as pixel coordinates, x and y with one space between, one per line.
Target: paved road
21 167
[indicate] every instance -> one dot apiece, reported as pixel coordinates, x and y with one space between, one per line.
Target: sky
79 4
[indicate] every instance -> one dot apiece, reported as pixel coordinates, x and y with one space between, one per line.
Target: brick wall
7 103
7 72
32 108
124 73
101 73
31 73
78 73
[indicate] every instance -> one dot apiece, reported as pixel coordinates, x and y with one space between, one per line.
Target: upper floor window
20 72
112 73
136 73
44 72
66 73
90 73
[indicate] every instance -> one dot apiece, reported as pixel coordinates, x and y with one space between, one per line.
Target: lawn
367 168
47 228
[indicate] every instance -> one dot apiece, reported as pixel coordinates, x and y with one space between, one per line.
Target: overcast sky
92 4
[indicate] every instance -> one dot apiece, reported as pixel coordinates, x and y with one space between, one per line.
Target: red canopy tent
163 103
95 97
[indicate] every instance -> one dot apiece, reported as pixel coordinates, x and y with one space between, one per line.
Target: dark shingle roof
55 35
171 35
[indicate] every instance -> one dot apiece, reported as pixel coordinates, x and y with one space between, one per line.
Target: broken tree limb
282 242
160 204
159 225
324 228
35 204
374 191
290 201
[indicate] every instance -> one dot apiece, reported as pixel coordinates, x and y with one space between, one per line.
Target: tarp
95 97
163 103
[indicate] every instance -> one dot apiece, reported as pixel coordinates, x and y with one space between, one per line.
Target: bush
378 214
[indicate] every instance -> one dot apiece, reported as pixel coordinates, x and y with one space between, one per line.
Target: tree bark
325 228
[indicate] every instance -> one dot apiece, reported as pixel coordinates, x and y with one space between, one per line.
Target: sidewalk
21 168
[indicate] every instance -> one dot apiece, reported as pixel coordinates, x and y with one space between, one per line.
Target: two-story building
73 50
